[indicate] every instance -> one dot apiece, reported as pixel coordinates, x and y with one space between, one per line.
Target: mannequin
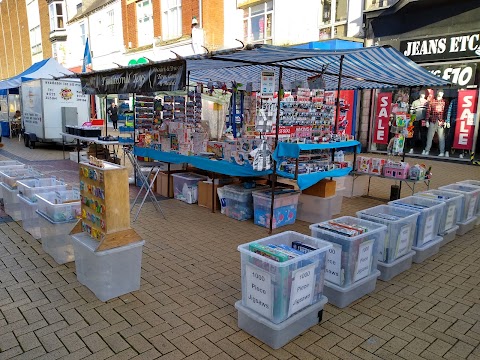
435 123
419 111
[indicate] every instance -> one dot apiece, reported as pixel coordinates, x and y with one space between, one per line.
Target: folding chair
147 184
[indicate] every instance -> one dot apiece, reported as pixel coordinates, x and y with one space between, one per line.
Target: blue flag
87 57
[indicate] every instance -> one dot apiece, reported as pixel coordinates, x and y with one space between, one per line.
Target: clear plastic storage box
60 205
352 258
284 207
315 209
11 203
108 273
471 200
389 270
278 335
238 201
453 207
9 165
30 187
10 177
30 218
185 186
431 212
401 225
277 290
56 238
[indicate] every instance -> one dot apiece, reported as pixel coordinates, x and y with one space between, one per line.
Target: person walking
113 113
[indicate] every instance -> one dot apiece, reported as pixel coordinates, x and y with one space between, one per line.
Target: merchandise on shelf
284 207
364 164
396 169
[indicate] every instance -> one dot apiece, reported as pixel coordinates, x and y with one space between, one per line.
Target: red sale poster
464 129
382 117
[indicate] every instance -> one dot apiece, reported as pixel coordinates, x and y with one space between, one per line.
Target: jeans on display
441 136
450 137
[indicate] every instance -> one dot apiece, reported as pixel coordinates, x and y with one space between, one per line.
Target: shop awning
45 69
365 68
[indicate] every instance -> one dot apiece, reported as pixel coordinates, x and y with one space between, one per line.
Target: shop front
440 122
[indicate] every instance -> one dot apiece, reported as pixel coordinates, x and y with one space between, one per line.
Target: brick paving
191 279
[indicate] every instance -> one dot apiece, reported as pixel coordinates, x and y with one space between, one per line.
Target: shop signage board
458 74
444 47
465 126
169 76
382 117
267 84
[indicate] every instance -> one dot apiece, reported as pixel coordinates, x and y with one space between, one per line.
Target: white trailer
48 106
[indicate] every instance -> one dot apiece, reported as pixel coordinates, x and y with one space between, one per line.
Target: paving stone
28 341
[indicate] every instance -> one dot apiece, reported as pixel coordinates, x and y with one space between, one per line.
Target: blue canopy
45 69
366 68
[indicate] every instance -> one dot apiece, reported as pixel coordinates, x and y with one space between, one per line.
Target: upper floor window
35 34
258 23
57 15
111 22
171 19
145 22
333 18
83 34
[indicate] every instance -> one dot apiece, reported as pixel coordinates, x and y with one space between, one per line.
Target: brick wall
157 18
45 28
15 50
129 23
189 10
213 23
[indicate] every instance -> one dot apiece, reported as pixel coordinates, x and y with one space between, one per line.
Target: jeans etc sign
447 47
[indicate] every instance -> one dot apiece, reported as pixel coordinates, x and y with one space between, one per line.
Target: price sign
450 218
429 227
267 84
471 207
259 290
303 285
364 260
403 241
333 268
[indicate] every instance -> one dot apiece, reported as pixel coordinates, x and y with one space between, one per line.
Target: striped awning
365 68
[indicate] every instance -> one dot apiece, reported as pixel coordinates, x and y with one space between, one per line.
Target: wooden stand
106 215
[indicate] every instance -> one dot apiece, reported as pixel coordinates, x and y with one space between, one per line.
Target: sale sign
464 129
382 117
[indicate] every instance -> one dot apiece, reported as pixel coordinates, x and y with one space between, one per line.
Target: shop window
144 22
333 18
258 23
171 19
57 15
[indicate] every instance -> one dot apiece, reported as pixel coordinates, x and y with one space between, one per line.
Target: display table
88 140
410 183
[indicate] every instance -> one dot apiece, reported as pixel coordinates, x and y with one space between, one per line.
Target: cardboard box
205 195
324 188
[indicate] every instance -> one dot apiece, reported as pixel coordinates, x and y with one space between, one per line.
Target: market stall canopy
45 69
366 68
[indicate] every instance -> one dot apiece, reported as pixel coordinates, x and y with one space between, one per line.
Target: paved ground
191 279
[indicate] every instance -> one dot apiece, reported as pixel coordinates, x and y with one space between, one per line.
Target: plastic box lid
189 176
441 195
48 218
278 193
464 188
91 244
403 214
239 190
470 182
372 227
425 202
285 237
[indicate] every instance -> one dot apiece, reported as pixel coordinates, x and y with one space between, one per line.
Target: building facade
443 37
24 35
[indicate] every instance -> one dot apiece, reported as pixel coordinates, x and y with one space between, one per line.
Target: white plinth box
109 273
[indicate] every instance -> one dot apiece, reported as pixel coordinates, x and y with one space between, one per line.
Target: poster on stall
32 107
267 84
382 117
465 126
345 116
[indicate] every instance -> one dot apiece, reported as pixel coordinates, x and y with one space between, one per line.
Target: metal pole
337 112
277 127
106 115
